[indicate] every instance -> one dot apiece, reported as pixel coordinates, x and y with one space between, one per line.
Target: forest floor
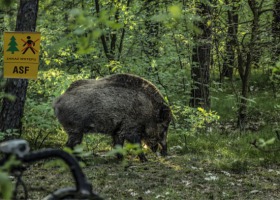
177 176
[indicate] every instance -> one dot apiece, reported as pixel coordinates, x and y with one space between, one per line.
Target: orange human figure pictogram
29 44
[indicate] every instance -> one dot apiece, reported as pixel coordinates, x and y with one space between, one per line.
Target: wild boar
125 106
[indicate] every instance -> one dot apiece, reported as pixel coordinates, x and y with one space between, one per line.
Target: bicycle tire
71 193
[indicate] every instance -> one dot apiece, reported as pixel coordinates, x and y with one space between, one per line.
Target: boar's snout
162 146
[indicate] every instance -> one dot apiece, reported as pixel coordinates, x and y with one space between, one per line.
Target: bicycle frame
83 188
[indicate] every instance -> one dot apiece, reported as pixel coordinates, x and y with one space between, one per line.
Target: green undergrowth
200 164
263 102
211 166
208 156
226 150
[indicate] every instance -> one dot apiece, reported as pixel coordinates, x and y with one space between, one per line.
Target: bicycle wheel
71 193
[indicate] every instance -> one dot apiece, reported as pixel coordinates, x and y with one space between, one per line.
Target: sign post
21 54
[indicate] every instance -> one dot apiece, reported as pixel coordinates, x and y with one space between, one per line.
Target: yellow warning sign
21 54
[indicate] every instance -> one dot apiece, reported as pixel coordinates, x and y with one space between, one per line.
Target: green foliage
39 122
86 28
95 142
78 151
194 120
263 143
61 166
237 166
127 150
6 3
6 185
6 189
269 145
275 78
228 152
9 133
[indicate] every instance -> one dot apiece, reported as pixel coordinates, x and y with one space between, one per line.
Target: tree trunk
2 29
152 29
276 31
109 40
12 111
244 67
2 24
228 65
200 70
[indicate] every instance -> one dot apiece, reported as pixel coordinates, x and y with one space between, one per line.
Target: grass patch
224 149
211 166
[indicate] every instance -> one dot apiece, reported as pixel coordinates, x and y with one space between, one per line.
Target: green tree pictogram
13 45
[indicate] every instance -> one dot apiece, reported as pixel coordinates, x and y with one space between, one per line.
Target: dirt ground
173 177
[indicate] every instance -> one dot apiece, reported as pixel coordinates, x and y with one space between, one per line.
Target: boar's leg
136 139
118 140
163 141
163 151
74 139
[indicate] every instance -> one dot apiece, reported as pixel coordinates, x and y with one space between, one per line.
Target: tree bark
228 64
276 31
2 24
12 111
152 29
109 40
201 61
244 67
103 37
2 29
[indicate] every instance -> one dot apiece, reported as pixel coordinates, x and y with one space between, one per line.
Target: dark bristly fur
125 106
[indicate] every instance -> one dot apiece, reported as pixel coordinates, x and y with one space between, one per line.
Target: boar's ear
163 114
